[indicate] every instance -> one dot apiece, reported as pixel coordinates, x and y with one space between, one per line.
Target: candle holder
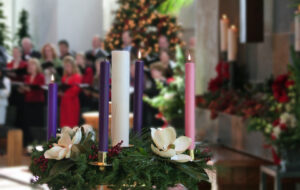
192 154
231 74
102 161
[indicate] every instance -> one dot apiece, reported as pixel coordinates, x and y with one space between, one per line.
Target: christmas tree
3 28
145 23
23 30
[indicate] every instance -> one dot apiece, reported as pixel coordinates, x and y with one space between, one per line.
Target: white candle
224 23
120 97
297 30
232 43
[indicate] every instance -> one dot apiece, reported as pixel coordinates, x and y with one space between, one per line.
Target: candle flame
139 54
234 28
189 57
52 78
224 16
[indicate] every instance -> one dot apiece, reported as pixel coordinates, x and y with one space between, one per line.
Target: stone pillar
207 43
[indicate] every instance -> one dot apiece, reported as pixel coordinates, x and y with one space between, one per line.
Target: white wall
52 20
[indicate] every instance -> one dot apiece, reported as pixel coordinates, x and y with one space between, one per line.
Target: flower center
171 146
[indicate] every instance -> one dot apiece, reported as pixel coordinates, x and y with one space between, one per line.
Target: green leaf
61 166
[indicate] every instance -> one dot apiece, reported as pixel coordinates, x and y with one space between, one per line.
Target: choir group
24 80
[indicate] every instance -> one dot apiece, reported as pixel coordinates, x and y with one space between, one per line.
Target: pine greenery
3 28
136 168
23 29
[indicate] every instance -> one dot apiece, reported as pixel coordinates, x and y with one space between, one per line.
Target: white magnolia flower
63 147
168 146
276 132
89 129
288 119
169 96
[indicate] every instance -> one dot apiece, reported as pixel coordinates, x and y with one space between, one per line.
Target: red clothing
88 76
35 95
22 64
69 106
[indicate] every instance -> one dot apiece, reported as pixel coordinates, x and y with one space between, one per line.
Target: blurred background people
69 106
167 63
163 43
127 43
34 99
5 88
28 51
64 49
97 50
51 64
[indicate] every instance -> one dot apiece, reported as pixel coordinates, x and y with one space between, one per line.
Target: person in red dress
34 99
69 106
16 63
16 99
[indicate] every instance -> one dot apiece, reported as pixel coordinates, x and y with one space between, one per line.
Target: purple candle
52 109
103 105
138 95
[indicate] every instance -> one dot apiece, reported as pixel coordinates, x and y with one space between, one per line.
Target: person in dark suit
127 43
163 45
64 49
27 50
3 56
97 51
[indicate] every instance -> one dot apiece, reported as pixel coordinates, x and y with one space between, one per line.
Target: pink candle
190 101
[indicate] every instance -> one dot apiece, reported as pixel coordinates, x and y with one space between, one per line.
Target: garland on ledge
158 163
271 108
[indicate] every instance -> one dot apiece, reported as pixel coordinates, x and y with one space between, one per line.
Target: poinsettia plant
281 126
157 160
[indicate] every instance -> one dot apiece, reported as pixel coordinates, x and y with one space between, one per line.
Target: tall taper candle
224 24
104 105
190 101
138 95
232 43
52 109
120 97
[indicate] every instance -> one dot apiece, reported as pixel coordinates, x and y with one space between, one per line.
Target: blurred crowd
25 73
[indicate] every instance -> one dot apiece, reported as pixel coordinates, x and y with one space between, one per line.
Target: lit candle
224 23
138 95
190 101
297 29
120 97
232 43
52 109
104 105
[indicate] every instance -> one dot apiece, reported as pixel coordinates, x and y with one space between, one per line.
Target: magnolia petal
153 130
182 144
67 129
68 151
64 140
77 137
164 137
166 154
56 153
89 129
181 158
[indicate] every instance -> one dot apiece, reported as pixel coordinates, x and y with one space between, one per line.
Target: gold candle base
192 154
102 161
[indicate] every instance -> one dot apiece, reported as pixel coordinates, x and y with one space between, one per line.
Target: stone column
207 43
